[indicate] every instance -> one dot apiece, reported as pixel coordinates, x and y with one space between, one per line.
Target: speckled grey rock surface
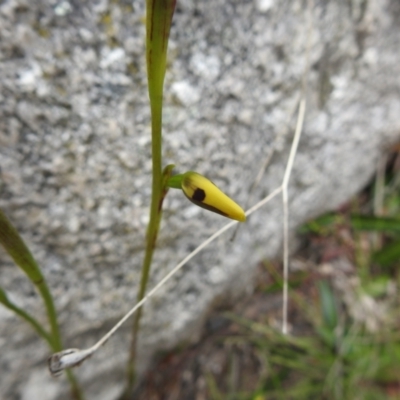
75 148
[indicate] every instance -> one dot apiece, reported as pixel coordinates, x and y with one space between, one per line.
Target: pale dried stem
285 202
285 199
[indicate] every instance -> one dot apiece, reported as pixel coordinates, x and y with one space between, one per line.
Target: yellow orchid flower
202 192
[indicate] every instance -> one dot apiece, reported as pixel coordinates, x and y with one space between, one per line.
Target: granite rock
75 156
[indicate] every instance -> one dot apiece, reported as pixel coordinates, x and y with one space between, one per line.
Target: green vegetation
19 252
345 340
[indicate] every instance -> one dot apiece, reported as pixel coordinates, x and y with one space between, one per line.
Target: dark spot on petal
199 195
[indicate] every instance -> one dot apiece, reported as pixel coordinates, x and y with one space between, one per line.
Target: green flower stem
150 246
175 182
19 252
76 390
158 23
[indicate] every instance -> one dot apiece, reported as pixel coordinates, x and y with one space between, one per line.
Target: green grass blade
17 249
322 225
26 316
328 305
19 252
388 255
367 223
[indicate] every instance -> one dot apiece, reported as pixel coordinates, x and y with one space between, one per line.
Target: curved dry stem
285 201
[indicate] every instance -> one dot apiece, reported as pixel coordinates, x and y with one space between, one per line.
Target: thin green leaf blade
19 252
158 25
328 305
26 316
322 225
388 255
17 249
3 297
367 223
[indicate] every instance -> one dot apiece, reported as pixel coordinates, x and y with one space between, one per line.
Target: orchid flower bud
202 192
